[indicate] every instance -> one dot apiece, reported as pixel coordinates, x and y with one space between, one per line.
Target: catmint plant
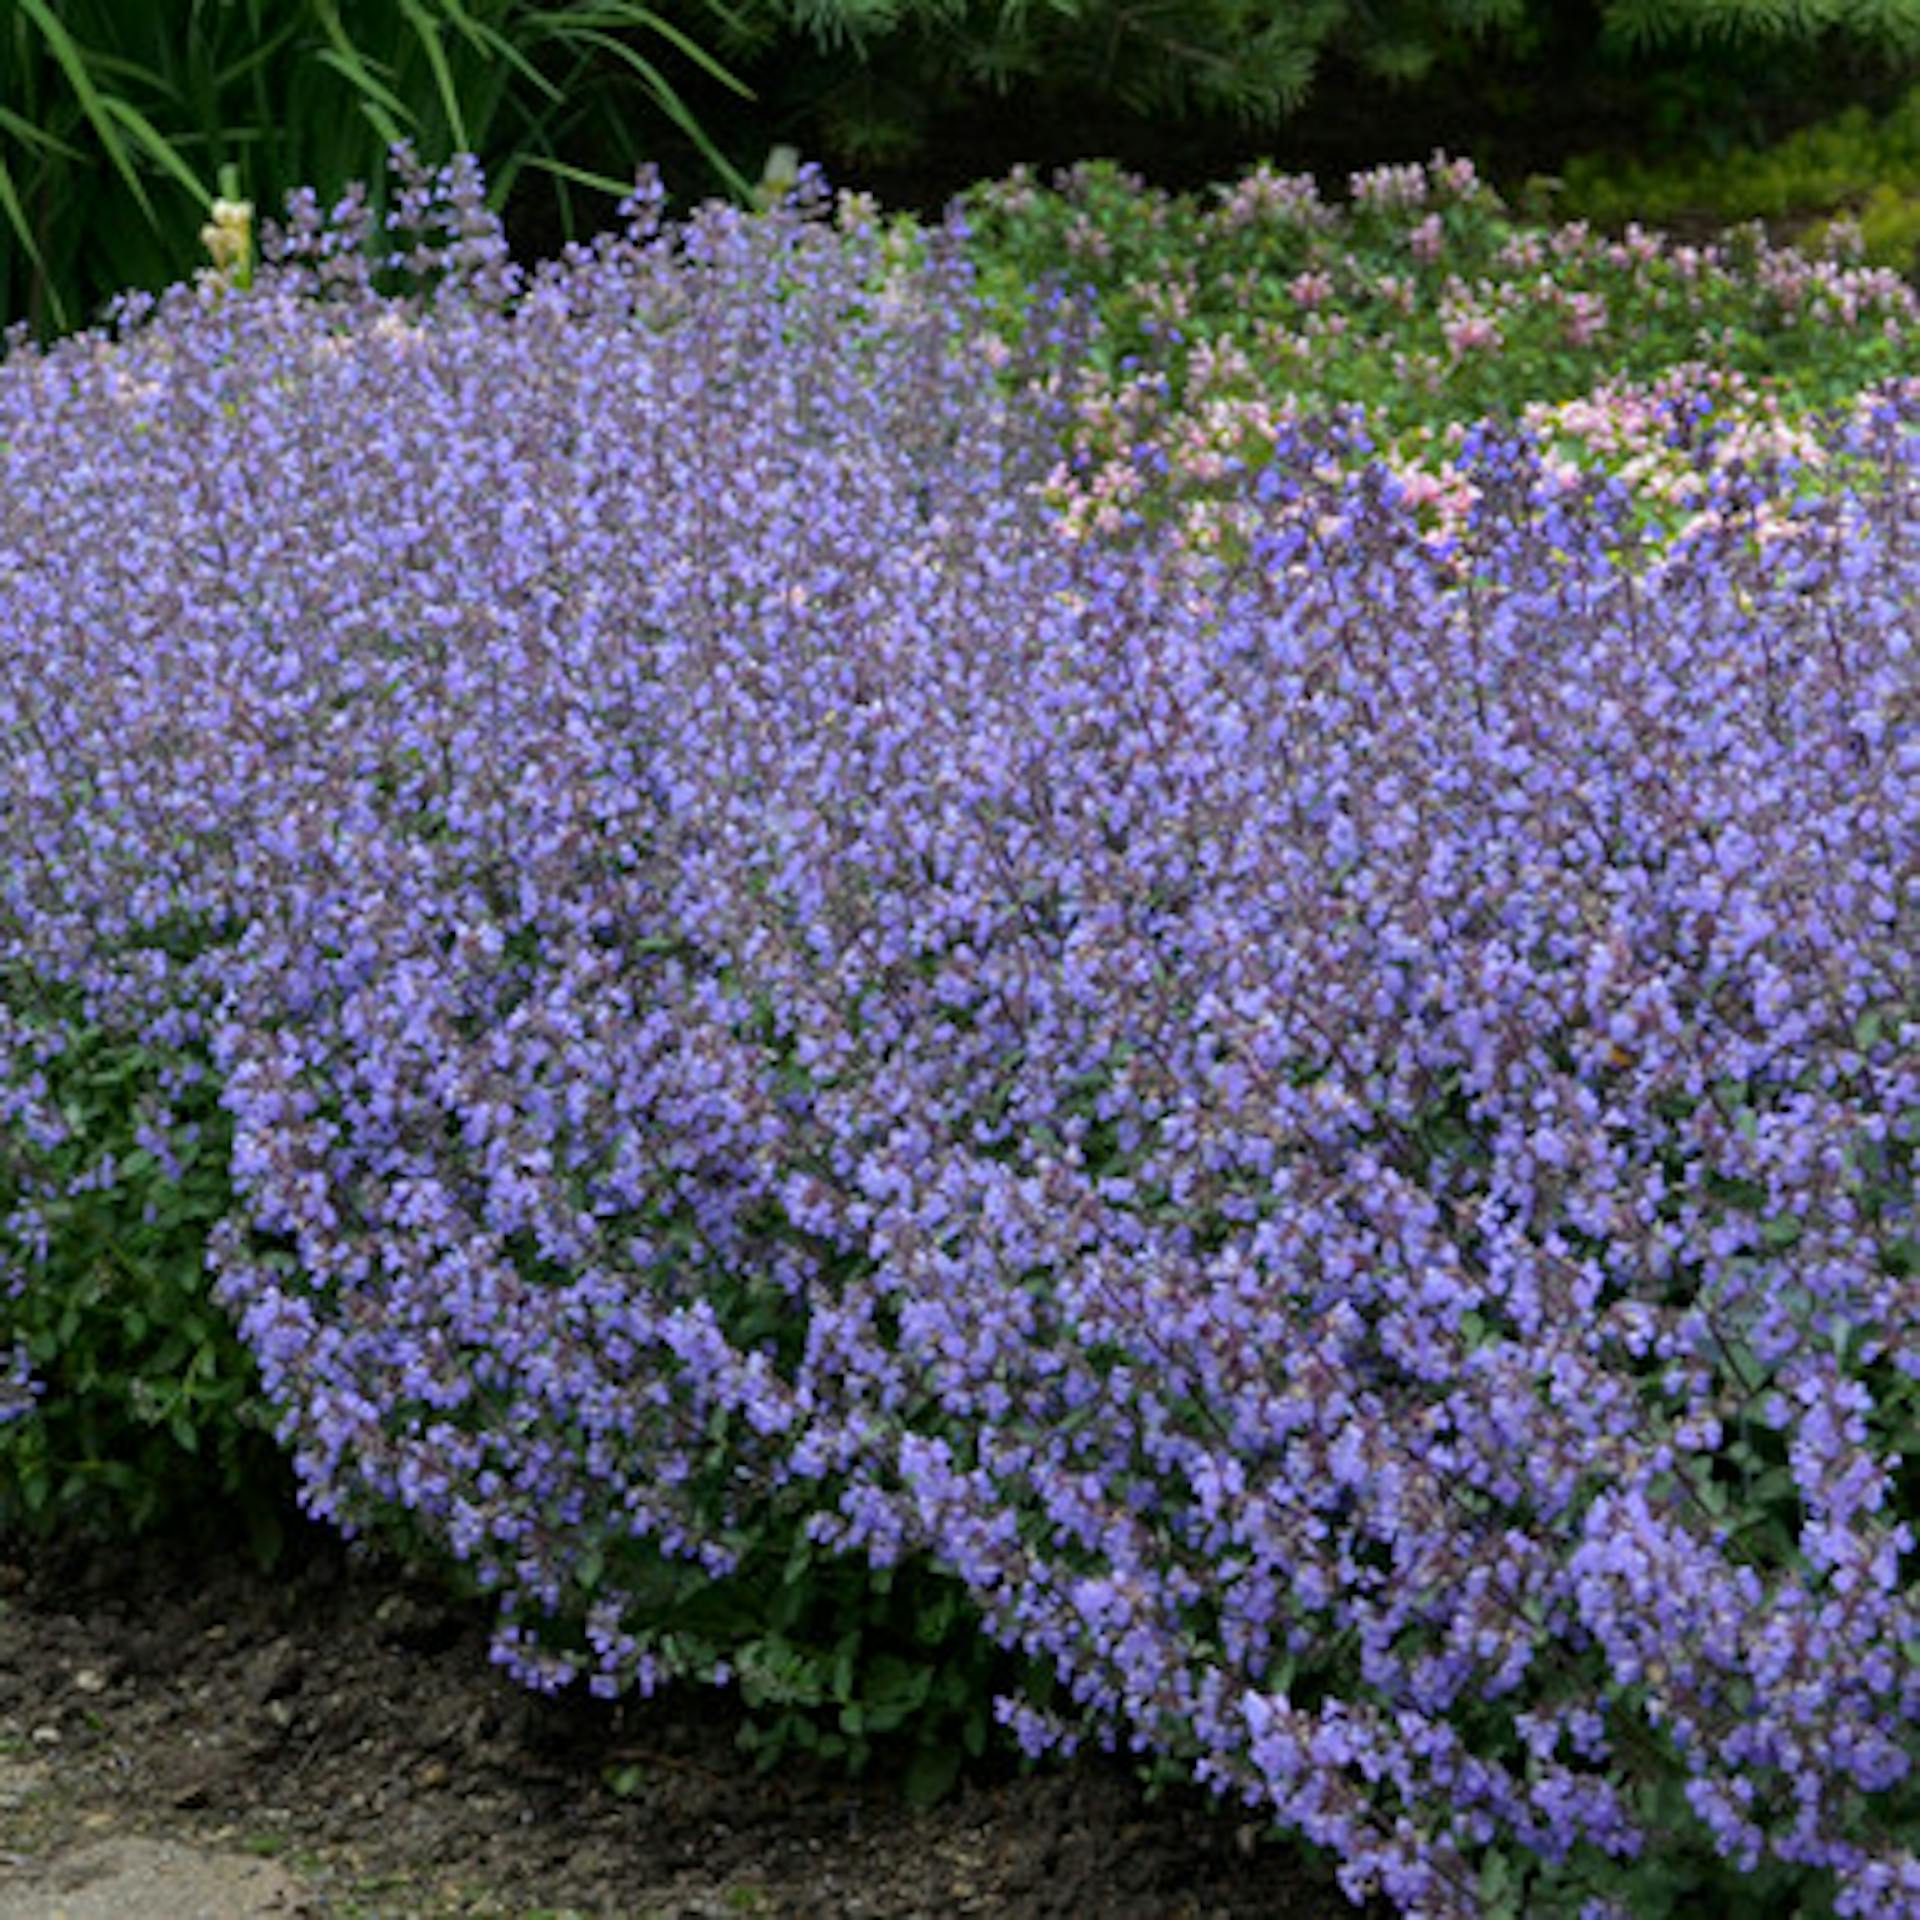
1327 1126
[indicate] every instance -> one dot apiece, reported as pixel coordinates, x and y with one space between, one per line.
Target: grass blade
353 67
260 54
643 19
487 38
38 138
581 176
158 148
68 57
674 108
428 34
391 133
29 242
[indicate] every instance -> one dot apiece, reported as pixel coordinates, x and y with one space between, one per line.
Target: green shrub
1422 298
1849 165
145 1409
1887 226
833 1658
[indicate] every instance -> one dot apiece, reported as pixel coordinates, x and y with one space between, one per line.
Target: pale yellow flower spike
228 238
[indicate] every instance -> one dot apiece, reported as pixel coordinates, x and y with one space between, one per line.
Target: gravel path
185 1741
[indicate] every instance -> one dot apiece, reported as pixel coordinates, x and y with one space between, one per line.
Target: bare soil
331 1741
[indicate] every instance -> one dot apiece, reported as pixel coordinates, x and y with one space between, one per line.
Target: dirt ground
192 1741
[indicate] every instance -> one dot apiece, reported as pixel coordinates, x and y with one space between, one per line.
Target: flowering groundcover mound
1331 1132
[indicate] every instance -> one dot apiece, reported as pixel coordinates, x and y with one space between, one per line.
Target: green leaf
1499 1889
933 1619
845 1659
266 1536
799 1558
895 1687
931 1774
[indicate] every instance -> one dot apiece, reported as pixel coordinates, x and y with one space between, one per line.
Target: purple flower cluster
18 1387
1333 1132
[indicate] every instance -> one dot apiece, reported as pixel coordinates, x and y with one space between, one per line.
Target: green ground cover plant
1421 299
1294 1150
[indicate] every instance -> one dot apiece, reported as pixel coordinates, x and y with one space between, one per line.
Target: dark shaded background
1517 113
